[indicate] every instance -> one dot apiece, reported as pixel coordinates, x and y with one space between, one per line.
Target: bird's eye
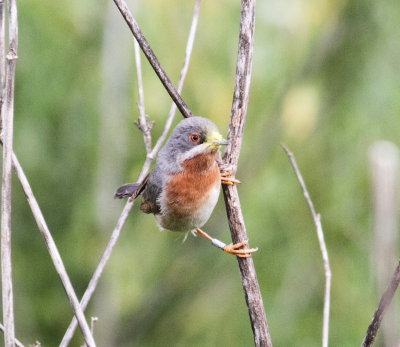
194 137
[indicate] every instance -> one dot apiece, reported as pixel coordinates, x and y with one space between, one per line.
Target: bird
183 188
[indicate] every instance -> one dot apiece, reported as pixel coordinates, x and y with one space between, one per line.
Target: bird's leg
231 248
226 175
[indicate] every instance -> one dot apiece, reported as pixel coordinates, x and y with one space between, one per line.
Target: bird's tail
130 190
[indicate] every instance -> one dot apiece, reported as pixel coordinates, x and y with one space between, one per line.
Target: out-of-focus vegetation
325 82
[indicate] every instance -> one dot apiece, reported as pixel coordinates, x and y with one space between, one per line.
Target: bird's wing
131 190
152 192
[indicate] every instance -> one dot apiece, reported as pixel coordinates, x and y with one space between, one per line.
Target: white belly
193 220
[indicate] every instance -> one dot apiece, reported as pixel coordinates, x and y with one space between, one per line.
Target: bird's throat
200 163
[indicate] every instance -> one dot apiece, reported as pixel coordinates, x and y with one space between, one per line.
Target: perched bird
183 187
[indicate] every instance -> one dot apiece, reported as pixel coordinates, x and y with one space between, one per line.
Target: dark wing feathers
132 190
152 192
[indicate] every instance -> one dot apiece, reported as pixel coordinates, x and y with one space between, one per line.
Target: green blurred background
326 83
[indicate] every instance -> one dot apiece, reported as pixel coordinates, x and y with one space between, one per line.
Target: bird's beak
215 140
221 142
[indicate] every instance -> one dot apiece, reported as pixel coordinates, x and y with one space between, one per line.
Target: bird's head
193 136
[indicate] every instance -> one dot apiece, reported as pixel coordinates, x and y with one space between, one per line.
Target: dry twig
250 284
137 33
324 252
143 122
7 113
384 161
145 169
17 342
9 159
53 251
2 54
380 311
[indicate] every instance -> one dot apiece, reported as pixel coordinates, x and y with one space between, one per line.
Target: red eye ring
194 137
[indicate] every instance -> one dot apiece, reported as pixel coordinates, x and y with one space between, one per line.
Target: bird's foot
232 248
226 176
241 253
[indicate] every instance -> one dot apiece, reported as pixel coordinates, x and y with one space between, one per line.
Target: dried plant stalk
7 113
324 251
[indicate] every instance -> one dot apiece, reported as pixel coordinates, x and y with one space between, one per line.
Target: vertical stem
2 54
7 111
18 343
322 245
384 161
250 284
143 121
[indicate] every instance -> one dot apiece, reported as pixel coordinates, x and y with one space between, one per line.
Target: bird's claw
226 177
241 253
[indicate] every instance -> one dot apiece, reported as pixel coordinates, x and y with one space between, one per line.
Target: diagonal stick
17 342
145 169
235 218
380 311
53 251
126 13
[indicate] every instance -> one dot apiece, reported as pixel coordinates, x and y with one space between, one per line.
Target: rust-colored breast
188 190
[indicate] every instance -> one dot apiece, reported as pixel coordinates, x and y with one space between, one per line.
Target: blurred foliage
325 82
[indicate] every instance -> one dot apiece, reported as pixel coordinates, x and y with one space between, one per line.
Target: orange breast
187 193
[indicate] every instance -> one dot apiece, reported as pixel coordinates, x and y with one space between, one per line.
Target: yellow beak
215 140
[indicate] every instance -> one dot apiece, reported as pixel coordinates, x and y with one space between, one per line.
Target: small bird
183 187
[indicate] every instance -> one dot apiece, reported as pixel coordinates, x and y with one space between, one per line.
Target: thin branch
185 67
137 33
249 280
7 112
2 54
380 311
143 122
237 227
250 284
53 251
384 163
145 169
324 251
17 342
10 159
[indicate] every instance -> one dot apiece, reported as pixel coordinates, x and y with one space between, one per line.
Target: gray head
191 136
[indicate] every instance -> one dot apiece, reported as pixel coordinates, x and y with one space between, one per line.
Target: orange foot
226 177
241 253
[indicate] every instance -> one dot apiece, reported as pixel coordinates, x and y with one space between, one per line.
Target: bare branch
10 159
144 171
237 227
384 162
2 55
7 112
380 311
188 52
143 122
17 342
148 52
99 270
53 251
324 251
250 284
